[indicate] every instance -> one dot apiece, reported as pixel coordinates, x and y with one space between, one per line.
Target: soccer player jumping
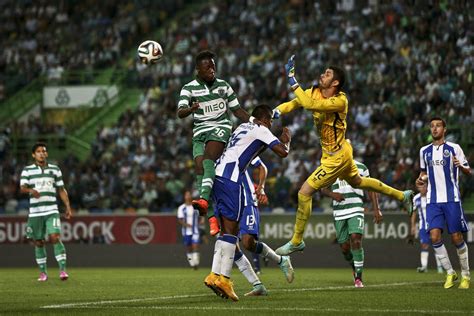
208 98
329 106
440 164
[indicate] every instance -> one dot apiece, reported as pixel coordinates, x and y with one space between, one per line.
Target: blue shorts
450 214
424 236
250 222
189 240
229 198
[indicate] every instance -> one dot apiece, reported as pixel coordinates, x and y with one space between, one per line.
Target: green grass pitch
163 291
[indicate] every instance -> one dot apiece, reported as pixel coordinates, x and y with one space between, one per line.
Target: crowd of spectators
49 37
404 63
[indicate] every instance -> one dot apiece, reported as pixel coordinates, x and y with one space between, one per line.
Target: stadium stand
403 65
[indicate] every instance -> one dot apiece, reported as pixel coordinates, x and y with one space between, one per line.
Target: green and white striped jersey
353 204
45 181
213 101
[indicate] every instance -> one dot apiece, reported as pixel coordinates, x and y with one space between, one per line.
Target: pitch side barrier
155 241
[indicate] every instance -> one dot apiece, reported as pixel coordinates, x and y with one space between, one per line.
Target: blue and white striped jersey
443 176
246 143
190 216
248 182
419 202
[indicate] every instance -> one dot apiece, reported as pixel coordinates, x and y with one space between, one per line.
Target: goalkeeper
329 107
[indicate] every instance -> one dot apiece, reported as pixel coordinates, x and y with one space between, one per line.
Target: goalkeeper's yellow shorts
334 165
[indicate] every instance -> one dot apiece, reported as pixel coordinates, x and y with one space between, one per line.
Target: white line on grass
108 302
292 309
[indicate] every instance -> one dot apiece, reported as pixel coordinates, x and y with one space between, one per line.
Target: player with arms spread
41 180
247 142
440 164
348 206
208 98
329 106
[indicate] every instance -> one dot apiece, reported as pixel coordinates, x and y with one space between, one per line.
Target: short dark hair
36 145
438 118
262 112
339 75
205 54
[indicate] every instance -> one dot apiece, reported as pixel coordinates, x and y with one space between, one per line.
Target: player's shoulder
453 145
30 167
192 84
53 166
422 149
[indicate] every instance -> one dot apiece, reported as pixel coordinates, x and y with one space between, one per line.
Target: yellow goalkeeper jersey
329 115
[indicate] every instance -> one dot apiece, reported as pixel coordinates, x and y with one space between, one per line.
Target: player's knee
39 243
356 241
249 244
54 238
457 238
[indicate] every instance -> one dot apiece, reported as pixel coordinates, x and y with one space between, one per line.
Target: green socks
40 254
60 254
207 178
358 255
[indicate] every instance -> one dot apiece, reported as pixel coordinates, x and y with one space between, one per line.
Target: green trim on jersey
214 102
353 203
45 180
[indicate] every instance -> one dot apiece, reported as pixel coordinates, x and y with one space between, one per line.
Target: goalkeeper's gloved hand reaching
290 72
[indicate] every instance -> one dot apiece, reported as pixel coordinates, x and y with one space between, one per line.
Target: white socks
463 259
443 257
245 267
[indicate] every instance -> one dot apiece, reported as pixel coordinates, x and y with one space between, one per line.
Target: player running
247 142
41 180
419 202
189 219
208 98
329 106
348 206
440 164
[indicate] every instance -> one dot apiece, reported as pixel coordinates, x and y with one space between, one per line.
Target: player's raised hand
276 114
290 73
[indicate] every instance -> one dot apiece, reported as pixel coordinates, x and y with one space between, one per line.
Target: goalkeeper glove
290 73
276 114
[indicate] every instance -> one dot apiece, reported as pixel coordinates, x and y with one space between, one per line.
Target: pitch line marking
299 309
108 302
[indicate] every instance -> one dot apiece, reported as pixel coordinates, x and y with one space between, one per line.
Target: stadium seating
403 65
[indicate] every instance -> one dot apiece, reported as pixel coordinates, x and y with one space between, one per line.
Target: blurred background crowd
404 63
